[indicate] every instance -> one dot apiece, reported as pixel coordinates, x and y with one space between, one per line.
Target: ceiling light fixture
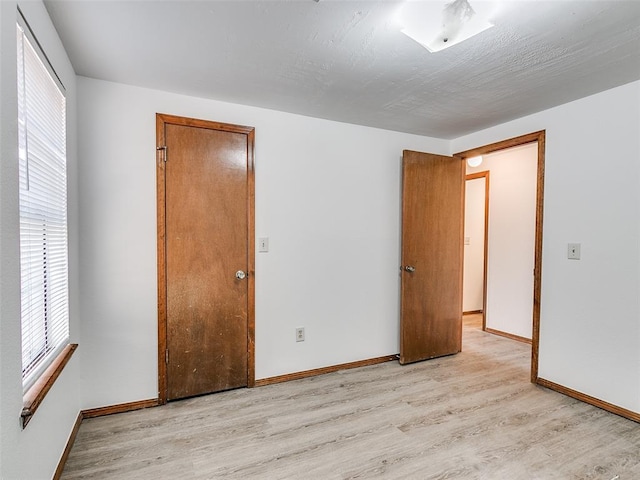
437 25
474 161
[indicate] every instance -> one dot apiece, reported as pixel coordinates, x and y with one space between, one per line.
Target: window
43 208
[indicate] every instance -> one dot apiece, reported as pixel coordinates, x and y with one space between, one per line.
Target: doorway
537 138
428 199
499 241
476 219
205 192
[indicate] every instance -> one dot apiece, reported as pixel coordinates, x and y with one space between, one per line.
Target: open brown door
432 255
205 193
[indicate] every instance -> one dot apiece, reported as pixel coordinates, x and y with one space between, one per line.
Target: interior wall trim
120 408
97 412
508 335
583 397
321 371
32 399
67 449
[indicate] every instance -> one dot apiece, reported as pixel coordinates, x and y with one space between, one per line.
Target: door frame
476 176
161 156
537 268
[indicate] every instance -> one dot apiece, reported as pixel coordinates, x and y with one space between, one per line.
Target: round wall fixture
474 161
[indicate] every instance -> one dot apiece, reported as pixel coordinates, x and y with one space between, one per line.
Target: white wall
590 315
473 278
327 195
512 224
32 453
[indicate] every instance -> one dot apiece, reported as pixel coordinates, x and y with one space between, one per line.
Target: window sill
34 396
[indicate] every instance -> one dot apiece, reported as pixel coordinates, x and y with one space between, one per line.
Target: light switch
573 251
263 244
467 240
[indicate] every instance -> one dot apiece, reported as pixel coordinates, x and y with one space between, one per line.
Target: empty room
235 241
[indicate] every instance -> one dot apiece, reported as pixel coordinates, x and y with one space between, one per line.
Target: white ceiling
348 60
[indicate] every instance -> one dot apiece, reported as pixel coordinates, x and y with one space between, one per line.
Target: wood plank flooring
469 416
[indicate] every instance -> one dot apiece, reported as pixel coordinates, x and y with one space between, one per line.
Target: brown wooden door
207 240
432 244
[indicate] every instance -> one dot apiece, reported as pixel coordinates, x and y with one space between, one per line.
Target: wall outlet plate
263 244
573 251
300 334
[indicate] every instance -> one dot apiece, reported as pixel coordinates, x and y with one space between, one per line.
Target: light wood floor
469 416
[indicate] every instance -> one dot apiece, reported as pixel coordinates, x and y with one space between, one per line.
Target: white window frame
43 208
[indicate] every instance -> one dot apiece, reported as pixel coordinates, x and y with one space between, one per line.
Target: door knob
409 268
240 275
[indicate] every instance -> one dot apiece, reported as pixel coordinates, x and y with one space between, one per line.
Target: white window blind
43 211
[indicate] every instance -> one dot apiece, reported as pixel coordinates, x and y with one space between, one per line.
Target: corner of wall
35 451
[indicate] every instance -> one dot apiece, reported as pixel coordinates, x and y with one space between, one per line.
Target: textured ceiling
348 60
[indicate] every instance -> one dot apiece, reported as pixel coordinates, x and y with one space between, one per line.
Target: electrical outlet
300 334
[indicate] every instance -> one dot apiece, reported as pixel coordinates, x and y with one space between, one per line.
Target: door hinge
163 149
166 357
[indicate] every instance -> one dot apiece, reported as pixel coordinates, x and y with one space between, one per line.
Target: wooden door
207 253
432 253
